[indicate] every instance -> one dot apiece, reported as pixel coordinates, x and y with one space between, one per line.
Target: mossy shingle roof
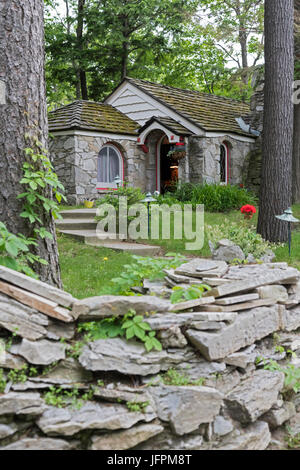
169 124
91 116
210 112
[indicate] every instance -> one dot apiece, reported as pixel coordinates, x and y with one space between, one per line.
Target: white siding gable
141 107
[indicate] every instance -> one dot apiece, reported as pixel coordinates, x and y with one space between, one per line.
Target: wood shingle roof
209 112
91 116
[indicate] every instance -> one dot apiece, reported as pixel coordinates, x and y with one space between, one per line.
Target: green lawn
86 271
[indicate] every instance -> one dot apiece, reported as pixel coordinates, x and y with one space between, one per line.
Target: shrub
245 237
133 195
215 197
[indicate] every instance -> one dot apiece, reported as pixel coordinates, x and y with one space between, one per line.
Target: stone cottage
149 135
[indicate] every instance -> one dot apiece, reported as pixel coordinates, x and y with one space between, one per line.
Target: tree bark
296 150
296 156
79 36
23 111
276 181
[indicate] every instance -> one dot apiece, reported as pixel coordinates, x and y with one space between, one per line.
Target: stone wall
206 389
252 166
204 158
75 161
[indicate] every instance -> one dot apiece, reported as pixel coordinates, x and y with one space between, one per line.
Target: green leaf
33 185
130 333
11 248
140 333
9 263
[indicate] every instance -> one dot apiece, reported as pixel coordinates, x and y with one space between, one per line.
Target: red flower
248 209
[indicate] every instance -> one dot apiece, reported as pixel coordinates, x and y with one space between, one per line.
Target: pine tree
23 113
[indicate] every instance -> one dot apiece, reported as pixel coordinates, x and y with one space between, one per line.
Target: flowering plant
248 211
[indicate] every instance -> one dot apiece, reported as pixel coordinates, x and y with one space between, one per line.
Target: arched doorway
167 166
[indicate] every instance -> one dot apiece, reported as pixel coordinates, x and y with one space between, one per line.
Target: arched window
110 165
224 173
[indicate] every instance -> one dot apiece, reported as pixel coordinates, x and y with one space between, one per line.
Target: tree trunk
276 181
296 156
296 150
23 111
79 36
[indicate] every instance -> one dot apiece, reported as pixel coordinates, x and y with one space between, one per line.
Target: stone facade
204 158
252 167
75 161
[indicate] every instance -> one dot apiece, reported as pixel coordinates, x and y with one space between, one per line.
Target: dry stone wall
62 392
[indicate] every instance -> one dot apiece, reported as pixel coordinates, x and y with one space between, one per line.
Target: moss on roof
91 116
210 112
168 123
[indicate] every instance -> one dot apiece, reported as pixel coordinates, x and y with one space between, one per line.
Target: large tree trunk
296 156
23 111
296 151
276 181
79 35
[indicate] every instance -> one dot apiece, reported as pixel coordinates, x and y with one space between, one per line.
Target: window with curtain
109 166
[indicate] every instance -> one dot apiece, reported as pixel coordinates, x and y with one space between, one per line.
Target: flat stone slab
41 443
238 307
15 403
42 352
242 358
68 371
248 327
122 440
37 287
276 417
130 357
168 320
168 441
191 304
255 437
186 407
237 299
10 361
7 430
190 269
26 321
276 292
255 395
290 318
208 325
96 308
266 277
206 265
69 421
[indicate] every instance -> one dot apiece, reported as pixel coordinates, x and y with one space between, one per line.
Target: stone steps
89 238
77 224
79 214
81 225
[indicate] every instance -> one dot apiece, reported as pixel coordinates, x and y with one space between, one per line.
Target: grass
87 271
